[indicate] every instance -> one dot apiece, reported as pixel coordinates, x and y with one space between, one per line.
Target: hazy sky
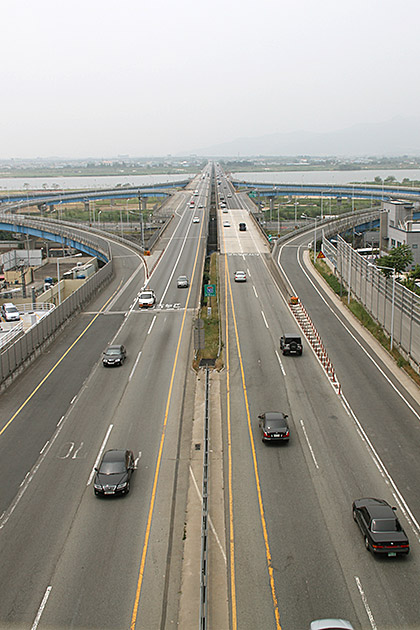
101 78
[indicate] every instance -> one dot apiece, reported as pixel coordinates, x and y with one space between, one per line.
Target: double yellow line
228 288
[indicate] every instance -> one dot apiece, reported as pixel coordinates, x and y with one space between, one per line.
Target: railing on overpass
37 310
356 191
87 239
330 227
29 345
25 199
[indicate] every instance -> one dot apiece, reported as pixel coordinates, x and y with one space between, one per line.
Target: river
279 177
326 177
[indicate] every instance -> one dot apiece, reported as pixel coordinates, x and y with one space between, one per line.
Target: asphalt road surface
294 554
297 554
70 559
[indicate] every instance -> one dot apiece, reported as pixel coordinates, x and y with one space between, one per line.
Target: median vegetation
209 318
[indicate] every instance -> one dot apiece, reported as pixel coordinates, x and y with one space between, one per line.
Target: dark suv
291 344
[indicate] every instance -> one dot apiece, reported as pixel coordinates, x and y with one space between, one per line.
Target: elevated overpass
350 191
45 199
77 236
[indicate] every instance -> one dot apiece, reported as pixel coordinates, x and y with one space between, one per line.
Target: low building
398 227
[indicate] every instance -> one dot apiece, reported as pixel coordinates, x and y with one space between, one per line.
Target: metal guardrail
68 232
30 308
7 337
204 515
391 304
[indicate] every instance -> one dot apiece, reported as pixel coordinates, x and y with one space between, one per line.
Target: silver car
182 282
331 624
10 312
240 276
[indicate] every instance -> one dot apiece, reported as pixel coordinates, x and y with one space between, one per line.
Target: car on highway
274 426
242 227
381 529
331 624
146 298
114 473
226 224
196 220
182 282
9 312
114 355
240 276
291 343
201 205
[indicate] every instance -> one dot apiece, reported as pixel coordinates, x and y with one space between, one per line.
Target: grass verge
210 316
364 318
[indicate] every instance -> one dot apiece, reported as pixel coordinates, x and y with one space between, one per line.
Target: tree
414 274
398 258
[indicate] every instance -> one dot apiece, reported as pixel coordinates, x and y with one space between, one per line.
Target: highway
68 558
293 552
298 555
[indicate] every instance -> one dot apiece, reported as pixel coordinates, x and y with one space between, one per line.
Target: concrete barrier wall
30 344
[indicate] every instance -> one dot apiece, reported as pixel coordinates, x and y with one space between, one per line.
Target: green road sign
209 290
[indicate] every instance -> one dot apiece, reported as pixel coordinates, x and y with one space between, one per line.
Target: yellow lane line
160 451
230 470
254 458
23 405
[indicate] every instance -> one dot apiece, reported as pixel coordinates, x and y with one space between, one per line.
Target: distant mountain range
398 136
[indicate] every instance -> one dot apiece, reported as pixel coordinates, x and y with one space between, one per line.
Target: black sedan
274 426
114 473
380 527
114 355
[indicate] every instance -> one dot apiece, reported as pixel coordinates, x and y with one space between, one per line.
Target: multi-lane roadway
297 554
293 552
69 559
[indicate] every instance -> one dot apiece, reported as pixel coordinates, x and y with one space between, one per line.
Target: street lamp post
58 280
350 249
392 301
